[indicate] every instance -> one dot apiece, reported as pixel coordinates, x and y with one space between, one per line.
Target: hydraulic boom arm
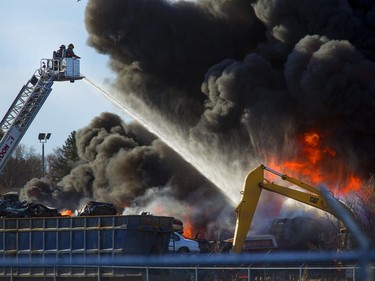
253 186
30 99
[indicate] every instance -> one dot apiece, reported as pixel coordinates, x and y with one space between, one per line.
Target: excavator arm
252 189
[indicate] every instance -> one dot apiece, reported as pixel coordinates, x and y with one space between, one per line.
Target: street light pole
43 137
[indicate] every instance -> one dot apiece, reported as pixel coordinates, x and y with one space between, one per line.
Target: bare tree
362 205
23 165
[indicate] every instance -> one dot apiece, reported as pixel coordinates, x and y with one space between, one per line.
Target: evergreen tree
64 159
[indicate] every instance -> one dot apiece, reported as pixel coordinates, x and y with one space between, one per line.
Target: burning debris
12 207
93 208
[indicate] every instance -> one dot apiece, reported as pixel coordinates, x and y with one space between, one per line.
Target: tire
183 250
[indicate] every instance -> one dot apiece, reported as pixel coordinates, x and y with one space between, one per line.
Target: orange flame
188 228
188 231
67 213
314 165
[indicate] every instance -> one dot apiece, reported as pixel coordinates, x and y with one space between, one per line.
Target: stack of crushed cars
12 207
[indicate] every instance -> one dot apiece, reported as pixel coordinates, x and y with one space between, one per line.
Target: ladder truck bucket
64 69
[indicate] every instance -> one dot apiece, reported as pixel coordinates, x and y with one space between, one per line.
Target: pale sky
32 30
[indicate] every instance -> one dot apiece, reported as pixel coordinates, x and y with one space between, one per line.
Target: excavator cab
62 69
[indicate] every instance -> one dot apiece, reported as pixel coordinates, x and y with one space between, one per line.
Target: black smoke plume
239 80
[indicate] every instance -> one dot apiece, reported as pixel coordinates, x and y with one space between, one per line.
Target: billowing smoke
126 165
231 84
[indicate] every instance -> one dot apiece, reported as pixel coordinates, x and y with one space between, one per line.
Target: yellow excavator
253 186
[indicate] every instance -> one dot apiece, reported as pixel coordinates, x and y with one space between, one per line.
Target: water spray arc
179 145
129 111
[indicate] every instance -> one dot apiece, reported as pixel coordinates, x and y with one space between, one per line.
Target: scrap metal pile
93 208
12 207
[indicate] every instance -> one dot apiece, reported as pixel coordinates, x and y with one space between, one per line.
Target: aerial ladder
31 98
318 198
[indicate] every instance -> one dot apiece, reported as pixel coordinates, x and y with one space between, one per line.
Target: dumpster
132 234
80 237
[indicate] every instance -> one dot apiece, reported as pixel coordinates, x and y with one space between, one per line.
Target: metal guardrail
277 266
190 273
